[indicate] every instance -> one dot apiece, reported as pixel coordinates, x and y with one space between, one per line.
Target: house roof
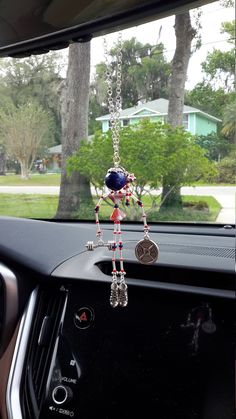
56 149
155 107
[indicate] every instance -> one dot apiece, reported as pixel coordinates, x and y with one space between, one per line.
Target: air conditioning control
62 394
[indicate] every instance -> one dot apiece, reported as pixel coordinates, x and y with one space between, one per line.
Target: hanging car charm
119 183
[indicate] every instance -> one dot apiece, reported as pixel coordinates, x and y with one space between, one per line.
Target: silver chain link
114 104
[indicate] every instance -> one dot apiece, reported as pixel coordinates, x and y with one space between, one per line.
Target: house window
185 121
126 122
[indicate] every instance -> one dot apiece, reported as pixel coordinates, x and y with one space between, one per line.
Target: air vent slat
57 311
174 275
50 304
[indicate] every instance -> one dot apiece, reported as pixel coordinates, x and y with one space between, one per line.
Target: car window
166 88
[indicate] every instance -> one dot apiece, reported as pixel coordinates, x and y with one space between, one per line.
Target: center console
168 355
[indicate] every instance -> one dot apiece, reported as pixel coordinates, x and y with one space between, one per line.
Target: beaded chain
119 183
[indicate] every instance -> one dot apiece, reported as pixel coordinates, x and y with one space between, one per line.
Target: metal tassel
123 294
114 297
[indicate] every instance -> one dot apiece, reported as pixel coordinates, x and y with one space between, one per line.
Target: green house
194 120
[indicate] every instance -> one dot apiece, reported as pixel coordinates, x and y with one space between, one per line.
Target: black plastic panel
143 360
35 26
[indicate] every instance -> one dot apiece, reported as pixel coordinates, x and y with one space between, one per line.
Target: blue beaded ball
115 180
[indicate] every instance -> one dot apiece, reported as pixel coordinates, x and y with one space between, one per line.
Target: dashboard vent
174 275
45 330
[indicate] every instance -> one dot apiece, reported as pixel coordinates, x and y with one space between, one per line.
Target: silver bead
110 244
90 245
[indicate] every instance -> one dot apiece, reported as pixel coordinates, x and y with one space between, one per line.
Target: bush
198 206
216 146
227 169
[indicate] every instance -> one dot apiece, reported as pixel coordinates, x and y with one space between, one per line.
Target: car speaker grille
220 252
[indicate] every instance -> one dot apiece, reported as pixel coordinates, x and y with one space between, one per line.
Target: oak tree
184 33
74 94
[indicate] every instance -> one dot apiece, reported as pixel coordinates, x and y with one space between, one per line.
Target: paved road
41 190
225 195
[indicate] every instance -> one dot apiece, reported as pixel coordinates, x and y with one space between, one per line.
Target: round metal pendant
209 327
146 251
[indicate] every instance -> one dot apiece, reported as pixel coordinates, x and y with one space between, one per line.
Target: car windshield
141 123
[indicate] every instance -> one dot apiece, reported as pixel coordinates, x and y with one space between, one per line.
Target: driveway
225 195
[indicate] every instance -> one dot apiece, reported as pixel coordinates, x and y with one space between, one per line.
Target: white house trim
142 116
143 109
102 118
134 115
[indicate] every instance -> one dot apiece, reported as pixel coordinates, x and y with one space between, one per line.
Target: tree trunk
74 190
2 163
171 196
24 170
184 34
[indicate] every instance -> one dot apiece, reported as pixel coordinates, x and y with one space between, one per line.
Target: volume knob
62 394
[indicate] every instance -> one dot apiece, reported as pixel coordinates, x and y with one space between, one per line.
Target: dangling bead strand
114 297
123 292
99 232
144 216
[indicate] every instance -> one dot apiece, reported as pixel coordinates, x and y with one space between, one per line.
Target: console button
61 394
83 317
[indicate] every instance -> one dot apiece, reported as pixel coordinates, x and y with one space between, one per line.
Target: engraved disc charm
209 327
146 251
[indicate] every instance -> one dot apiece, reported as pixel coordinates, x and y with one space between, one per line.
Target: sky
212 16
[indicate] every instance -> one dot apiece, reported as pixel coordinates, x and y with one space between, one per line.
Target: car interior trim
10 305
83 32
13 387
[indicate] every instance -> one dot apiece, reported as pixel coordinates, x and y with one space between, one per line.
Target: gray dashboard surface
43 246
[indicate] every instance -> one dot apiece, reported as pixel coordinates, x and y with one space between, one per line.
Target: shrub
227 169
198 206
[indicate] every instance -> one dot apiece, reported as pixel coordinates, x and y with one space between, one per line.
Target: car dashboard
69 354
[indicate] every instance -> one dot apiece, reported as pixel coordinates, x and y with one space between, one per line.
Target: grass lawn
44 206
205 210
34 180
28 206
208 212
200 183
